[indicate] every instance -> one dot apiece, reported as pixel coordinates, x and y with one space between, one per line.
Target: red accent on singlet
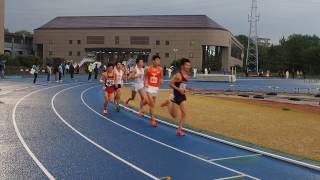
154 77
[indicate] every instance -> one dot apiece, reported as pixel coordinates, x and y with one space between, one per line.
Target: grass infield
281 127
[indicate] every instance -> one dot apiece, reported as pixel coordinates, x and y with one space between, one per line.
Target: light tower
252 60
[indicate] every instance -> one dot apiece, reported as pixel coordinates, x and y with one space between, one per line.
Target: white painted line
22 89
1 94
26 147
93 142
231 177
235 157
158 142
289 160
35 159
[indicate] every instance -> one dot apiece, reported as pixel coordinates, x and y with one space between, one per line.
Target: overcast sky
277 17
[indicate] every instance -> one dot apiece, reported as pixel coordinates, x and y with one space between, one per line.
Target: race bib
183 86
109 83
154 80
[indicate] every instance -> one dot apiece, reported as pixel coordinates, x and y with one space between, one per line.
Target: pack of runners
146 82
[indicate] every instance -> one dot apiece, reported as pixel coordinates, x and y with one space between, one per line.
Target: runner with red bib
153 80
108 79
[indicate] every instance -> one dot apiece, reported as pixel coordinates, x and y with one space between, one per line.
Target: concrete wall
57 41
1 26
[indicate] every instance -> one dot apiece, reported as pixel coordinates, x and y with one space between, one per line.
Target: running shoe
180 132
127 103
141 113
118 108
153 123
105 111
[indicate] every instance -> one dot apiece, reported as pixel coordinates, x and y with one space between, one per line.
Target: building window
157 42
191 55
79 41
50 53
212 57
167 55
70 53
167 43
78 53
157 54
50 41
116 40
95 39
70 41
139 40
236 51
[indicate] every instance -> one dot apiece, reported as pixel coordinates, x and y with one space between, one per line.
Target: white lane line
161 143
231 177
277 157
35 159
93 142
22 88
235 157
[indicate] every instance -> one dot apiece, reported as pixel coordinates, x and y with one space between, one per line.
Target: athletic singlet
109 81
119 76
154 77
139 77
182 85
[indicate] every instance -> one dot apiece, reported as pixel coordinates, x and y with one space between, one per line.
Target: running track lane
58 151
151 156
258 166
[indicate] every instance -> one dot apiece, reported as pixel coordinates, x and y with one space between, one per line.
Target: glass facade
212 57
236 51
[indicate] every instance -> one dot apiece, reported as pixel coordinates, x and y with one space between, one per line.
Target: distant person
35 71
195 70
205 71
164 71
169 72
77 68
293 74
71 71
49 72
287 74
2 69
90 70
60 72
96 71
108 80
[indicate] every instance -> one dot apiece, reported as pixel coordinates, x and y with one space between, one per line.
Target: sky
278 18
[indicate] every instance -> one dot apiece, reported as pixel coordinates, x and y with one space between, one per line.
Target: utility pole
252 60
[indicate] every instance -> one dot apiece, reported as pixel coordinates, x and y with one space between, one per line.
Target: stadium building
1 26
120 38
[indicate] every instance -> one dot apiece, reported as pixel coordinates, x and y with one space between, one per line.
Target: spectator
67 67
35 71
164 71
96 71
90 69
71 71
60 72
2 69
49 72
195 70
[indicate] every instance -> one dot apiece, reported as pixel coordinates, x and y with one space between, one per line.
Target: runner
137 75
178 99
120 77
108 79
153 79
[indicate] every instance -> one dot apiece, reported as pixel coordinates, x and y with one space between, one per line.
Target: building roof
151 21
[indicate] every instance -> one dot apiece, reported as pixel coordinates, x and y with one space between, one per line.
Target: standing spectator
2 68
195 70
164 71
169 72
67 67
77 68
96 71
63 68
60 72
287 74
56 72
71 71
90 69
35 71
49 72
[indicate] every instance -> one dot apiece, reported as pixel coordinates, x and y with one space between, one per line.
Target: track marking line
26 147
235 157
158 142
231 177
277 157
93 142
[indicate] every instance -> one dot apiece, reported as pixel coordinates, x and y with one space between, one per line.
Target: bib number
154 80
183 86
109 83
